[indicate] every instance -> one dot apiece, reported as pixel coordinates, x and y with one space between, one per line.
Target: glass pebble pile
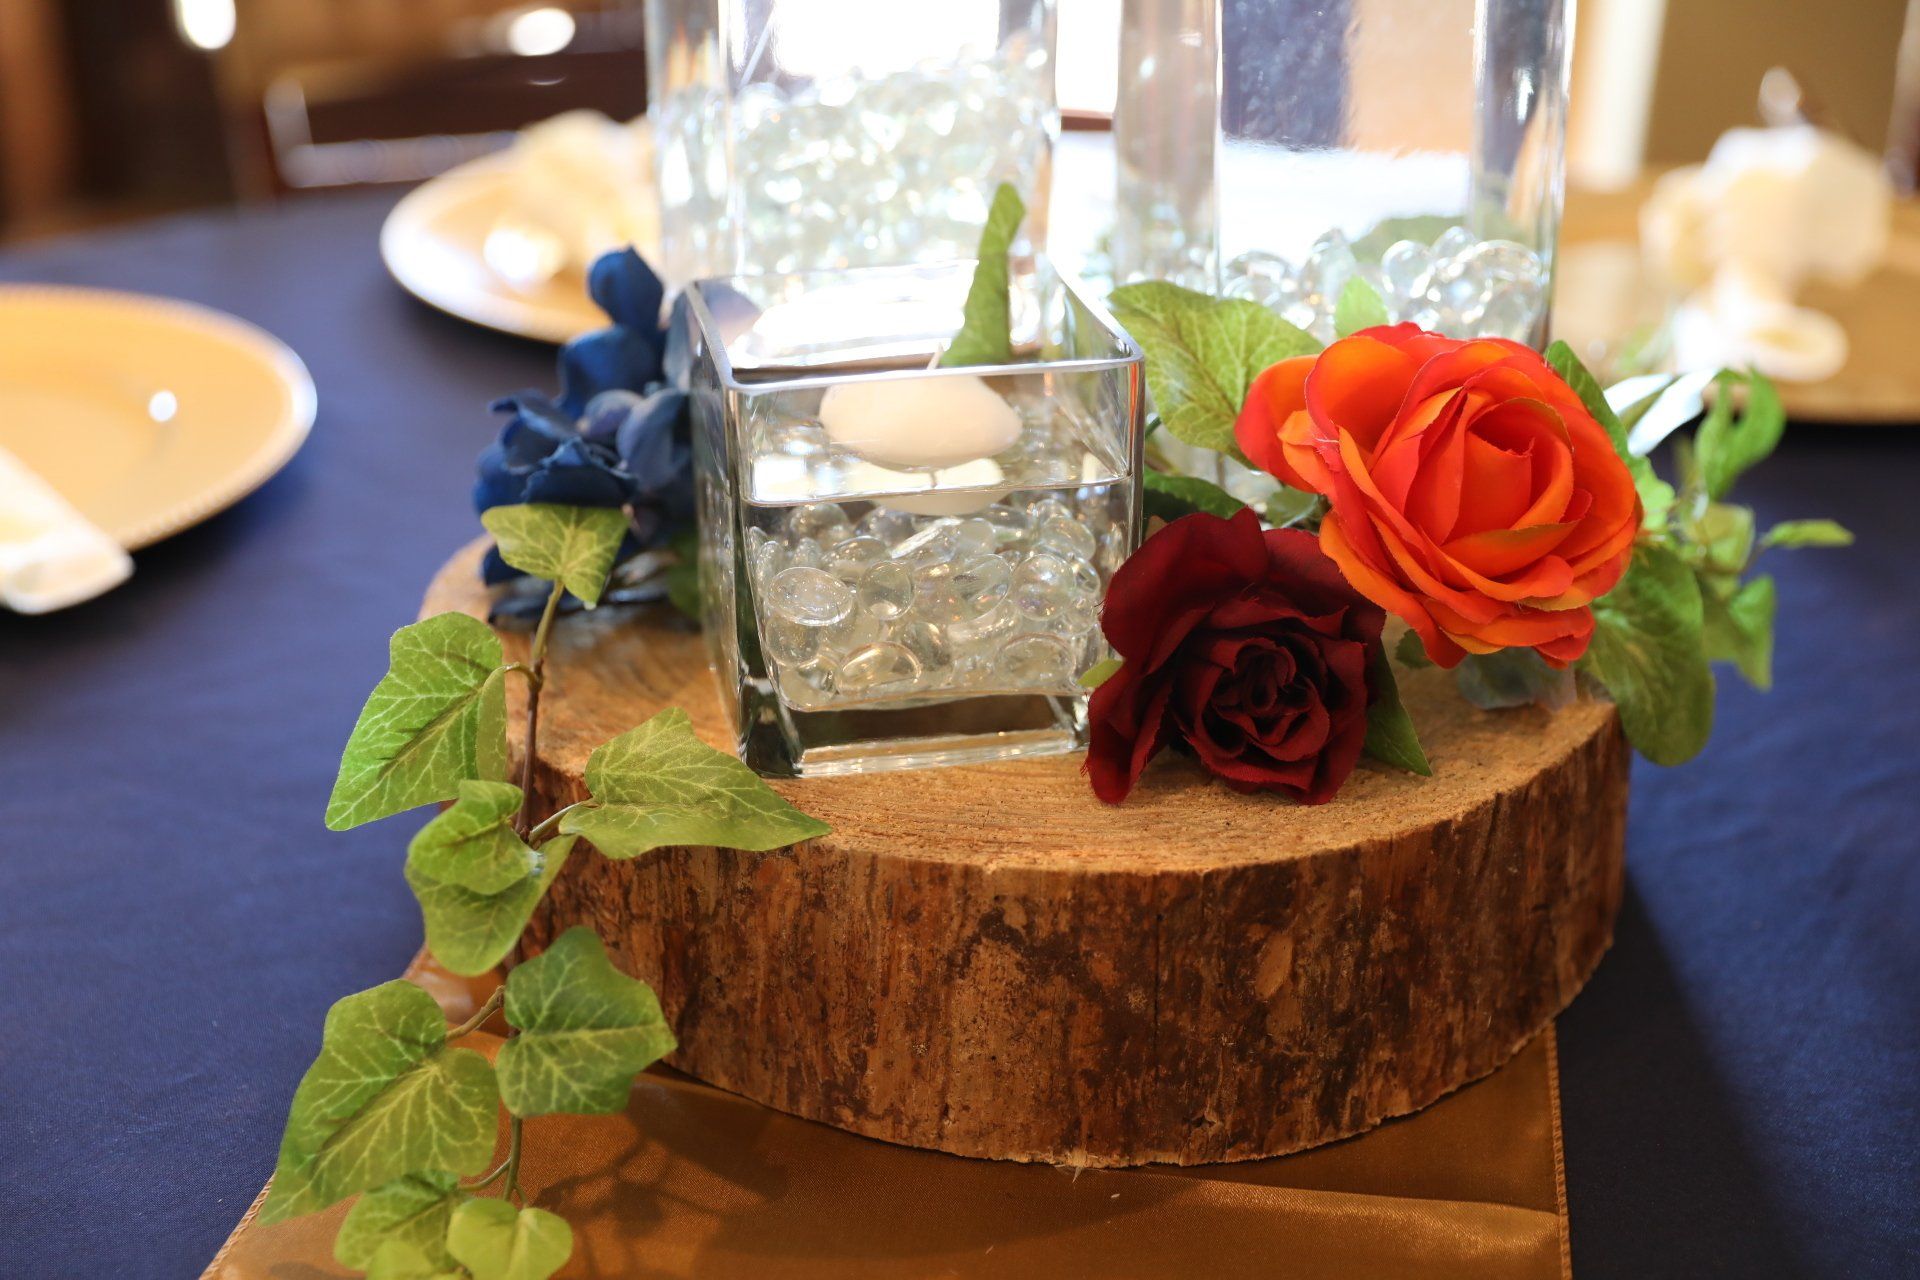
862 603
1459 285
844 171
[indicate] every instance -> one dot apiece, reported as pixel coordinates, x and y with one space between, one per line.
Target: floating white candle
928 422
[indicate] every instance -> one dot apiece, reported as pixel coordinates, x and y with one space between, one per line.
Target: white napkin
51 556
1769 211
583 184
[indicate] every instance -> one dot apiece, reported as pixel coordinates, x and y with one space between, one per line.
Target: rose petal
1176 576
1357 386
1277 394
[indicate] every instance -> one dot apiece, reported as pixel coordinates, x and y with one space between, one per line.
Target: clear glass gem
979 585
789 641
887 525
877 667
1042 586
1035 662
850 558
928 644
824 522
886 591
1065 537
809 597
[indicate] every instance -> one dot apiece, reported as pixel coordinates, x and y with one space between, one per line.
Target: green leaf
1808 533
1203 353
1648 653
414 1209
1724 533
573 546
436 719
1292 508
986 331
1099 673
660 785
471 932
1411 651
1727 444
386 1097
1512 678
586 1030
498 1242
1391 738
683 578
1656 495
473 843
1739 629
1169 497
1360 306
400 1260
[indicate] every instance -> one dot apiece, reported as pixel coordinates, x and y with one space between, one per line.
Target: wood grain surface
986 960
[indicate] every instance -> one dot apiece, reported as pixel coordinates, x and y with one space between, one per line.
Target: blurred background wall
111 109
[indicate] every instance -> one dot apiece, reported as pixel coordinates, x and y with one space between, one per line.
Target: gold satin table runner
694 1182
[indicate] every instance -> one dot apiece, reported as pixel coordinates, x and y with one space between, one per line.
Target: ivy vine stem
480 1015
536 676
549 824
511 1190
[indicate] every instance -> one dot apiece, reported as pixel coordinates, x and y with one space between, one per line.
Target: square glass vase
902 565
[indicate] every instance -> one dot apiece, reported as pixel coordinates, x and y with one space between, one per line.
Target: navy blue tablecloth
1741 1078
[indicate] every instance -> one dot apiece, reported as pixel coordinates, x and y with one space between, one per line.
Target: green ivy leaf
471 932
436 719
414 1209
1099 673
1360 306
1739 628
1727 444
1656 495
1411 651
986 331
401 1260
1808 533
498 1242
473 843
573 546
386 1097
1203 353
586 1030
1391 738
660 785
1169 497
1648 653
1512 678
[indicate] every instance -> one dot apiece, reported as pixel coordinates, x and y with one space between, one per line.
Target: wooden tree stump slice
987 960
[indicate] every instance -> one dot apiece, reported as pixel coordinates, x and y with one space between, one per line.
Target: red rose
1247 647
1472 492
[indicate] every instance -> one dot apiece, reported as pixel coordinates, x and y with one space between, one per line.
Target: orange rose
1472 493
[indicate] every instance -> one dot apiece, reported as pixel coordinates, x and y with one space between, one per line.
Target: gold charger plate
434 243
1880 383
147 414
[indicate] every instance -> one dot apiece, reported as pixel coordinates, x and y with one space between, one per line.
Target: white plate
434 243
147 414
